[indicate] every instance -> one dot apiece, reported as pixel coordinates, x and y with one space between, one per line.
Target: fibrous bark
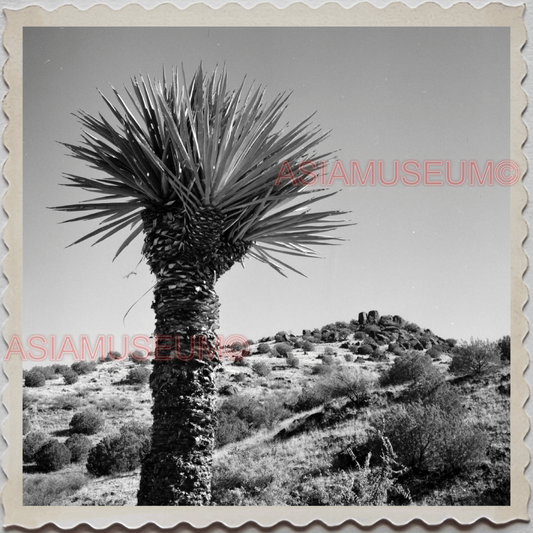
187 256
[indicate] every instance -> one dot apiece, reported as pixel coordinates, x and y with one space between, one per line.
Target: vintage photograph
266 266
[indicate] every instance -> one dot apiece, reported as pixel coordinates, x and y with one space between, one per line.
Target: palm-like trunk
187 258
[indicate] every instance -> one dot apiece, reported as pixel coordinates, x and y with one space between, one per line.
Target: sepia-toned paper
330 15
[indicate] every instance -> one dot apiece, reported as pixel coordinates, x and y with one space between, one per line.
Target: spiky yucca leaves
182 148
194 168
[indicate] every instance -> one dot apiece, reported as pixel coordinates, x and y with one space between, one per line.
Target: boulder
330 336
386 320
282 336
399 321
362 318
373 317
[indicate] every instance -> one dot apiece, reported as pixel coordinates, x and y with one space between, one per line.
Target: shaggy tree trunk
187 257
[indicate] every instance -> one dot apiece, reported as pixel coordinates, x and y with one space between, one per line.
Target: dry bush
45 490
475 358
34 378
117 453
83 367
70 377
52 456
308 346
282 349
262 368
263 348
408 369
66 402
504 345
79 446
87 422
32 443
428 438
293 361
138 375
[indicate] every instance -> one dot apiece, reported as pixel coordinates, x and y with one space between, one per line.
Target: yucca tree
194 167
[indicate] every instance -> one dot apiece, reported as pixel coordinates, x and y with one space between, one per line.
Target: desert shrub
239 378
241 414
322 369
412 328
283 349
336 383
44 490
48 372
378 355
230 429
28 399
344 333
114 403
365 349
83 367
379 486
142 430
262 368
476 358
434 352
139 357
79 446
138 375
328 350
116 453
504 345
263 348
327 358
70 377
293 361
26 424
333 489
112 356
52 456
428 438
310 397
31 444
60 369
359 336
34 378
240 361
67 402
451 342
409 368
349 383
87 422
372 329
308 346
433 389
348 357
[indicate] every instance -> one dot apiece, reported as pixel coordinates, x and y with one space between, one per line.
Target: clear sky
438 256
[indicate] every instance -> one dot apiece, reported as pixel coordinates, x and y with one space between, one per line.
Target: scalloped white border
233 14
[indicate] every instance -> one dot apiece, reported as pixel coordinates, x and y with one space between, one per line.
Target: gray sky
436 256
